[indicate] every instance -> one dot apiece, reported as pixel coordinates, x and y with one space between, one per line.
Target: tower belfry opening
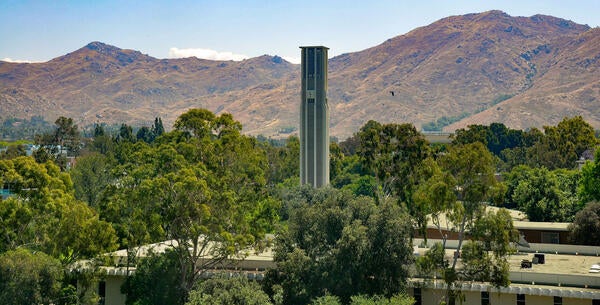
314 118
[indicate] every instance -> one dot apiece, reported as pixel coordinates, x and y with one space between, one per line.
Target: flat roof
556 264
547 226
519 218
564 264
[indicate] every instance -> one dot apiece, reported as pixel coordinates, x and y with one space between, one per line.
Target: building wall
498 298
531 236
538 300
472 297
535 236
571 301
113 290
430 296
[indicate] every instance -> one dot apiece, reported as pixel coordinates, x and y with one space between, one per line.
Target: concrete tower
314 118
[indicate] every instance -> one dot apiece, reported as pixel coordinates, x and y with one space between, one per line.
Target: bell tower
314 118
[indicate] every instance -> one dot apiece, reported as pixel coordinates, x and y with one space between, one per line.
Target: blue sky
221 29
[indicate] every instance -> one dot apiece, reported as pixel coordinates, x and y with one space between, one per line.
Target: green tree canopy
66 135
459 189
91 175
29 278
237 290
393 153
542 194
342 245
44 215
203 185
585 229
400 299
562 145
156 281
589 185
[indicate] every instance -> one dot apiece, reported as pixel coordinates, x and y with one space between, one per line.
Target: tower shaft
314 118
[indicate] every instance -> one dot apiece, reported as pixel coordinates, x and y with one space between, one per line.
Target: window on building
485 298
520 299
102 292
550 238
557 300
595 302
417 296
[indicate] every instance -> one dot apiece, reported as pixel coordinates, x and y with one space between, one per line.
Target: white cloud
292 59
16 60
205 54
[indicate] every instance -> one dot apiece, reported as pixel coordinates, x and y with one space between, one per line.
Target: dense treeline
23 129
205 183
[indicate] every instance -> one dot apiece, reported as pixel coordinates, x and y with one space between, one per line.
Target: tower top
314 47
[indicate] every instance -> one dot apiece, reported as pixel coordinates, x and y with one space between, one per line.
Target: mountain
102 83
461 65
475 68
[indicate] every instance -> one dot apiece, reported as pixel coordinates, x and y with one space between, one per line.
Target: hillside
486 67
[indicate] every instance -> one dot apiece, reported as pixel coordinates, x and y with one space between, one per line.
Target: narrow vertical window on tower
319 60
310 69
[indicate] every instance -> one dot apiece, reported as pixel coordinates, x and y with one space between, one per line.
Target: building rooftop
520 222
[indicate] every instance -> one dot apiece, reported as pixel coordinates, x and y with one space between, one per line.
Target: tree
326 300
590 180
91 175
144 134
64 141
542 194
202 185
237 290
496 137
29 278
156 281
196 122
125 134
157 128
562 145
284 162
13 151
44 215
468 171
393 152
341 245
435 194
400 299
102 142
471 166
473 133
585 229
67 135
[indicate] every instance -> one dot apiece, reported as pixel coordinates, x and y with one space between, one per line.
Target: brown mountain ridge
486 67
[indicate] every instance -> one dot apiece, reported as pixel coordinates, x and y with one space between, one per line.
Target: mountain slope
487 67
568 85
460 64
